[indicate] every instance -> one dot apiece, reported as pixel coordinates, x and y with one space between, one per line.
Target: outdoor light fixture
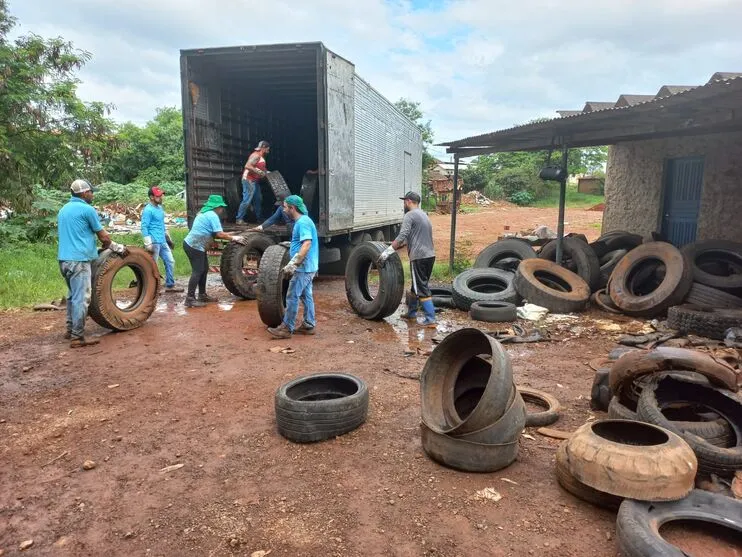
553 172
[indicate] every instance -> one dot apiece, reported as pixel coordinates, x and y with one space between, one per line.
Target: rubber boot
411 307
429 310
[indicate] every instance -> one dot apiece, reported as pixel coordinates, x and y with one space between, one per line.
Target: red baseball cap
155 191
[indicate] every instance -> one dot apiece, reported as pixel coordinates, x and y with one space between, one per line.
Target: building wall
634 180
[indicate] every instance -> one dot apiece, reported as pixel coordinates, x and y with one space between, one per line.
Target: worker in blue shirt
302 268
279 216
156 239
77 227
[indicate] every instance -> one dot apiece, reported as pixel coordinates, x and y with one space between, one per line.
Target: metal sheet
683 185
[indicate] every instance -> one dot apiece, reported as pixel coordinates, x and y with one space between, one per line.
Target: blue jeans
300 287
250 196
164 251
78 276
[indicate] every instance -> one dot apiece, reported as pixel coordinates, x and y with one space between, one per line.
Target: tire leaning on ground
546 417
706 297
391 282
483 285
493 312
271 286
320 406
724 253
578 257
710 324
466 455
638 524
507 249
103 308
546 284
579 489
232 264
671 291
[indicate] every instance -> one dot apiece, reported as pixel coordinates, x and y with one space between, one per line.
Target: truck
317 114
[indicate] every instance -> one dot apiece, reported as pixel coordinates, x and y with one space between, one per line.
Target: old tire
710 324
466 455
546 417
578 257
391 282
546 284
579 489
612 241
706 297
442 297
493 312
727 255
638 523
601 299
103 309
237 277
608 263
506 429
632 459
272 285
483 285
320 406
495 254
617 410
672 289
278 184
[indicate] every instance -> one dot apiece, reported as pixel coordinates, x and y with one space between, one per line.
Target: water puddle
171 306
225 306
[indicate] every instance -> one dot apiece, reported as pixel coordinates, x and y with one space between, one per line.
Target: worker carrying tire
254 171
417 234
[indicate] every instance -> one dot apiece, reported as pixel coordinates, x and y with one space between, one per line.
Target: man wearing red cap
156 239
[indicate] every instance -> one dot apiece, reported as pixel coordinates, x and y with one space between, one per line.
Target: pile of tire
472 413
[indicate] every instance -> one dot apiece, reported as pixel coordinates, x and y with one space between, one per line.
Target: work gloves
381 261
148 244
258 228
240 240
290 269
119 249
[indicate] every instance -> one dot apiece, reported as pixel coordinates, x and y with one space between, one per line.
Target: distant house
440 181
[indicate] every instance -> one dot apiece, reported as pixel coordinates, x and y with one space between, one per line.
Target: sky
474 65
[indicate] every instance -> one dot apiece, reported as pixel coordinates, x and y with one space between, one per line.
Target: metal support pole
454 208
562 199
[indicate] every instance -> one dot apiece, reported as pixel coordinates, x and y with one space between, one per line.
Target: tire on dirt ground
237 278
483 285
607 263
578 257
546 284
320 406
493 312
617 410
612 241
272 285
278 184
391 282
466 455
601 299
638 523
725 255
551 406
672 289
632 459
103 308
706 297
710 324
579 489
500 254
442 297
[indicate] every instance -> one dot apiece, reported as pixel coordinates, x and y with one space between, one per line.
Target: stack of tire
472 413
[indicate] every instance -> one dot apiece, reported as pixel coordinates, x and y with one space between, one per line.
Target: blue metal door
683 185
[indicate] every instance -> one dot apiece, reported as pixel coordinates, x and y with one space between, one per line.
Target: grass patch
441 271
31 272
574 199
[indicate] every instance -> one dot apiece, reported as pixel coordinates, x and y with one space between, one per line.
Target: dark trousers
421 271
199 270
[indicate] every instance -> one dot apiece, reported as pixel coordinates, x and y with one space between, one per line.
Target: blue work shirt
279 216
205 226
153 223
77 224
304 229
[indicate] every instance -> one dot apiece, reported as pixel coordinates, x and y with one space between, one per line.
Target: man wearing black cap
417 234
255 170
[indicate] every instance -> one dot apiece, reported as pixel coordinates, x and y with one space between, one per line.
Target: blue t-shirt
205 226
77 223
153 223
304 229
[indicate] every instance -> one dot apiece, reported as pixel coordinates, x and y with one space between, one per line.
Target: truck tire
506 429
601 299
442 297
508 249
237 276
546 417
710 324
466 455
483 285
617 410
378 236
579 489
706 297
233 197
672 289
612 241
103 309
727 255
278 184
320 406
493 312
391 282
607 263
272 285
546 284
578 258
638 524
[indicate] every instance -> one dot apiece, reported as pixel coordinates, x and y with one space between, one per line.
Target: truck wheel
380 296
378 236
239 264
278 184
272 285
104 309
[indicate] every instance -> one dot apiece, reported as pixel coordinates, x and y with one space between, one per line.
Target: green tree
47 134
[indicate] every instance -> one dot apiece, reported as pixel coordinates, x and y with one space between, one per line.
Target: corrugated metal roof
565 113
594 106
667 90
631 100
722 76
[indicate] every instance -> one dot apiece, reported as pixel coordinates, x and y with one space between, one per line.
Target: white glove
148 243
385 255
258 228
290 269
120 249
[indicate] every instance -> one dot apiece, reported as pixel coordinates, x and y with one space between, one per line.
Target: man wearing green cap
206 226
304 253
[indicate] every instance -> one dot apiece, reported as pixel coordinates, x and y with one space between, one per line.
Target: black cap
412 196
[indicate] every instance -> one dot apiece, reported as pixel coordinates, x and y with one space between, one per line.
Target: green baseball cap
297 202
212 203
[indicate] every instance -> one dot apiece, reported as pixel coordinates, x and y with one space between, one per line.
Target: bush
493 191
522 198
515 180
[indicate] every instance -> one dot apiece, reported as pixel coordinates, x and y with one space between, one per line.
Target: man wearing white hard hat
77 227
